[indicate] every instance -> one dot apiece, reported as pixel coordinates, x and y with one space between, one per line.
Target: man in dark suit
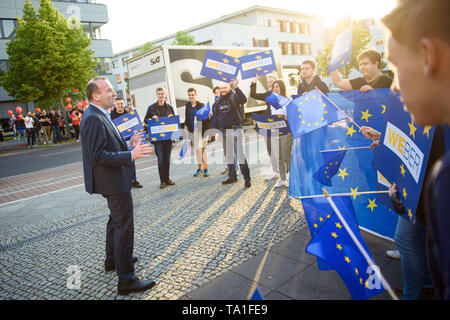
107 166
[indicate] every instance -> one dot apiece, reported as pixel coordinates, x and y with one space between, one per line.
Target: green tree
183 38
145 47
48 58
360 40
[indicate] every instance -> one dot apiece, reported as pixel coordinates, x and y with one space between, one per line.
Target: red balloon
86 103
10 112
69 107
75 90
37 109
19 116
80 104
19 109
68 100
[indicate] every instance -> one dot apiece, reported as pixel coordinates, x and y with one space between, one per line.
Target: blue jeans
57 137
163 150
410 240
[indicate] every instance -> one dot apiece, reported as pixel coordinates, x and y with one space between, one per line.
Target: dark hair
373 55
282 87
120 99
412 20
310 62
216 88
192 90
92 87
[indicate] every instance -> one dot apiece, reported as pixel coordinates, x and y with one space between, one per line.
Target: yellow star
270 120
132 112
404 193
224 79
125 119
162 135
265 71
384 108
347 259
356 271
372 204
338 225
236 60
343 147
328 216
163 123
225 60
267 52
410 215
258 57
351 131
412 129
219 72
334 235
402 170
366 115
339 246
343 173
153 139
426 131
259 69
315 225
366 284
320 219
360 280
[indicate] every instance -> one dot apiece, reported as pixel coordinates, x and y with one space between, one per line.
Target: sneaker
205 173
281 183
229 181
393 254
198 172
271 176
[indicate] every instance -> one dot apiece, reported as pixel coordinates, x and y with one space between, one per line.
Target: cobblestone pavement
185 235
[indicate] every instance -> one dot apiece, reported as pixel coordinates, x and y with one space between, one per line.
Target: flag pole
359 245
343 194
354 148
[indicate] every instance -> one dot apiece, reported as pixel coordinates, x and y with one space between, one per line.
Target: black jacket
261 97
316 82
228 109
160 111
107 163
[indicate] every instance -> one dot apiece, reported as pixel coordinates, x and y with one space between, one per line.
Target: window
206 43
284 48
7 28
303 28
260 43
305 49
103 66
379 42
282 25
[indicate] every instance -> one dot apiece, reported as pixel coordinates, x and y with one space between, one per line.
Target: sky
135 22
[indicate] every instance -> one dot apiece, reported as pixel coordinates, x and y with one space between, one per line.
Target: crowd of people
44 127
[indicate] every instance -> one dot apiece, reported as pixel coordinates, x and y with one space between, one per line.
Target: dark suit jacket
107 163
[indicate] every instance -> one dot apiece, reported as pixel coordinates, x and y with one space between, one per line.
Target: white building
300 36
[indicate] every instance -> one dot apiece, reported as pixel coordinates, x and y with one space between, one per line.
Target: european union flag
311 111
356 173
333 244
164 129
268 125
277 101
332 161
128 124
402 155
203 112
184 148
220 66
342 50
257 64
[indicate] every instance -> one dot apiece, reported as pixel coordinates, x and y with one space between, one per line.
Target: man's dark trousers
120 234
163 150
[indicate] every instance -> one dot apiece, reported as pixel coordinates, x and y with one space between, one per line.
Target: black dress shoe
136 184
126 286
229 181
248 184
110 265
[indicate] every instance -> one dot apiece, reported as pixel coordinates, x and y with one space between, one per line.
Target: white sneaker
393 254
281 183
272 176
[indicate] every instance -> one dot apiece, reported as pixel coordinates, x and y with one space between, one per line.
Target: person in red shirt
76 120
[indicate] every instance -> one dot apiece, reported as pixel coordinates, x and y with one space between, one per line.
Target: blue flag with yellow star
333 244
203 112
184 148
355 173
277 101
128 124
164 129
341 54
257 64
310 112
402 155
332 161
271 125
220 66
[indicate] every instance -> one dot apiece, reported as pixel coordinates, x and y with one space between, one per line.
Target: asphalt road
25 161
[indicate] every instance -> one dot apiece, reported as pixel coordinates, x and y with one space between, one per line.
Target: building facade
300 36
92 16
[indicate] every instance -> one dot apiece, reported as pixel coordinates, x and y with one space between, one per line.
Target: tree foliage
360 40
49 56
183 38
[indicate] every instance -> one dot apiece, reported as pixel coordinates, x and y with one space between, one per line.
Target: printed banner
257 64
220 66
128 124
164 129
268 125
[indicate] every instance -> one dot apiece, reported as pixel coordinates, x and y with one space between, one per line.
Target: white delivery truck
177 68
